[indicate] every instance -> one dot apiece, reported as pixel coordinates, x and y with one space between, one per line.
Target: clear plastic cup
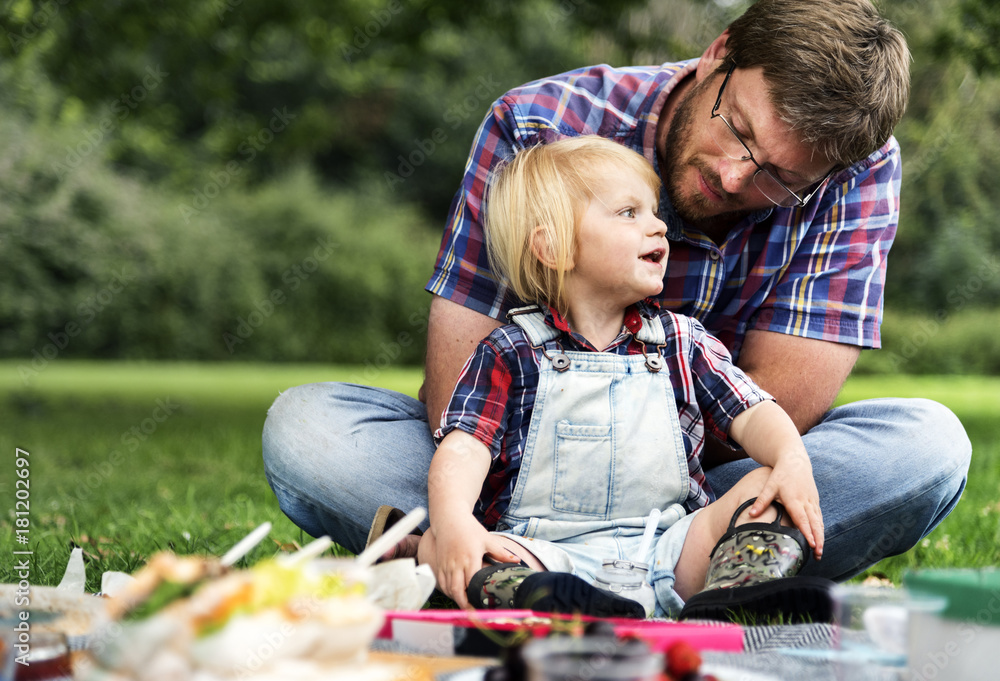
874 625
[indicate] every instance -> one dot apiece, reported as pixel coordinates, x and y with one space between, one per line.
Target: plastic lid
972 594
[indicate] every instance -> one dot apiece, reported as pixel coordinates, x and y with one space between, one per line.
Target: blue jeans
888 470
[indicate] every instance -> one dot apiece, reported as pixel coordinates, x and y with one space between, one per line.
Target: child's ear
543 246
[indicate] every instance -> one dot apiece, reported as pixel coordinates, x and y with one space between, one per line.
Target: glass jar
629 580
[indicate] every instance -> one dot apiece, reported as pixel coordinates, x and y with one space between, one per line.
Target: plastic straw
647 536
245 545
403 527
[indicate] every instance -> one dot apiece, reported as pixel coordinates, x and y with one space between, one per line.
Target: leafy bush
100 265
965 342
343 275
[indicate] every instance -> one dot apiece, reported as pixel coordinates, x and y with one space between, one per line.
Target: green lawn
130 458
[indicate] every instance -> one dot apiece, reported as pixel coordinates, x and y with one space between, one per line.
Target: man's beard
691 205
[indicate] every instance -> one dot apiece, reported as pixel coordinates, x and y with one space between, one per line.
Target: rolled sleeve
722 389
478 405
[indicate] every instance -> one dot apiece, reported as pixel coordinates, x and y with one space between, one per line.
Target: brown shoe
386 517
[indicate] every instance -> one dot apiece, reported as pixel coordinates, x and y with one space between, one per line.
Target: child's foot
508 585
752 574
495 586
568 594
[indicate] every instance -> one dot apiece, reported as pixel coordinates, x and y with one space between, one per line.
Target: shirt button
714 255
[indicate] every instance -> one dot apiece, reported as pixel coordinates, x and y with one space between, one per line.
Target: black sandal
564 593
752 574
516 586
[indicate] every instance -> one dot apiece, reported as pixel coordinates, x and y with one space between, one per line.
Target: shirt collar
632 323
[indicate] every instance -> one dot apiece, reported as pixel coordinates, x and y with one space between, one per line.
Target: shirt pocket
583 469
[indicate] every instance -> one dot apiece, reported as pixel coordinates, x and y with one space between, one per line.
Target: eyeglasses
729 141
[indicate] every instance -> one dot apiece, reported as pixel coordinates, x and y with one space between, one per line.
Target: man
781 187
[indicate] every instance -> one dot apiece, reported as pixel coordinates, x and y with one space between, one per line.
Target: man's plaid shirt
815 271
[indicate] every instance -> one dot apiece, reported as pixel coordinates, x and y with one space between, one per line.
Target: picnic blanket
783 652
795 652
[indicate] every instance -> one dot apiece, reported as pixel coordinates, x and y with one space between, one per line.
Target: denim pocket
583 463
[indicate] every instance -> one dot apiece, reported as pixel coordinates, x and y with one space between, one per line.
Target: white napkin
113 583
75 578
400 584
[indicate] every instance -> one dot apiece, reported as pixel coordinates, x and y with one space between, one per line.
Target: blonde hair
545 190
838 73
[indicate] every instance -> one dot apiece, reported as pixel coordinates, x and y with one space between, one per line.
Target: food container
596 658
963 640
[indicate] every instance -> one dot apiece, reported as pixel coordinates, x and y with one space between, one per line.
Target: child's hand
455 550
771 439
791 482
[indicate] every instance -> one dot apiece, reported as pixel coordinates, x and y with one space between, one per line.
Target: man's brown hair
839 74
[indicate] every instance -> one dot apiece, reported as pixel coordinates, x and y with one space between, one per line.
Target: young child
570 424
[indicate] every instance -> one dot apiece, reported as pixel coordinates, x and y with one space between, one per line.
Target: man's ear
712 57
543 248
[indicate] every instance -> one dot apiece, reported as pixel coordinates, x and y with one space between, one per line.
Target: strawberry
682 660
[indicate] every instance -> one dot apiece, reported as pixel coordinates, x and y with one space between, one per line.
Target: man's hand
453 332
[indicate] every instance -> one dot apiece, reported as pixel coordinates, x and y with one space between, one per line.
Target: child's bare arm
457 542
770 438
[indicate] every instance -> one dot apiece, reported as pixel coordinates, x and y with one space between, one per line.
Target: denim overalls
603 448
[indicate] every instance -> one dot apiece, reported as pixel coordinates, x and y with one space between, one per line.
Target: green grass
970 536
128 459
108 476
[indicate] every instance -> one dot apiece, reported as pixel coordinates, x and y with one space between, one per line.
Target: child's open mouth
654 256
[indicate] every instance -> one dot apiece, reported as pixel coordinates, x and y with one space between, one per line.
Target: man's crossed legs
888 470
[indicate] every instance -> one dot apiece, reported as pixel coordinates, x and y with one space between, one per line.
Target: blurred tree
973 33
210 110
945 255
367 90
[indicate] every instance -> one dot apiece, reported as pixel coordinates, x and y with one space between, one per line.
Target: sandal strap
755 552
749 502
773 526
